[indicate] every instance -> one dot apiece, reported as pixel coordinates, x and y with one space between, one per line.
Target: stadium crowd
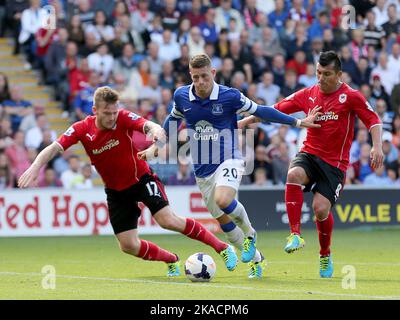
265 48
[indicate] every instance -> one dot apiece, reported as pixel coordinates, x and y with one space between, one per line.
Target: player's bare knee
130 247
321 210
223 201
296 175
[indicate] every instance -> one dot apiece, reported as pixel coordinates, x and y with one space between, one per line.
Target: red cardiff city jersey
333 140
112 152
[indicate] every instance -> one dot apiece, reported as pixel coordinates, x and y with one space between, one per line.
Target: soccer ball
200 267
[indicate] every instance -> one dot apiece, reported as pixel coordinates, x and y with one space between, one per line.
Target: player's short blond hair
200 61
105 94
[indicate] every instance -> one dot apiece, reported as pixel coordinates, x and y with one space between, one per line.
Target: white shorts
229 174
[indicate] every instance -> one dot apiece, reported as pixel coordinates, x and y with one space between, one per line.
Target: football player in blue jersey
210 111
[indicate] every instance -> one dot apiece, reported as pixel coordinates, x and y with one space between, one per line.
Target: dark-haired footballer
321 164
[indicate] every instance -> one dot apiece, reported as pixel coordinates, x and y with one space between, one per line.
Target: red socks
294 202
150 251
196 231
325 228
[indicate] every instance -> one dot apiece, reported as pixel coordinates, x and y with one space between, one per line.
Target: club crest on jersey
343 98
217 109
69 132
133 116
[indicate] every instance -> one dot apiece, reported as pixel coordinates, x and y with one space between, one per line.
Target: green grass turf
94 268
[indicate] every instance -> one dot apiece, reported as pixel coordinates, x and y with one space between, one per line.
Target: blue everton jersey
212 124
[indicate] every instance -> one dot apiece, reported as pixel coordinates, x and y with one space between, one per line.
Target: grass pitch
94 268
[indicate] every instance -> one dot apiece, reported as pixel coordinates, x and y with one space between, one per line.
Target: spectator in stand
181 64
267 90
78 80
184 176
224 12
216 61
389 77
127 63
84 99
390 152
224 76
300 42
362 167
86 182
141 17
355 149
392 26
90 45
153 58
7 179
308 79
169 47
167 79
102 62
183 32
280 164
54 60
208 28
374 35
363 72
4 88
31 21
16 107
170 15
73 175
258 63
290 86
395 99
348 63
260 178
394 59
380 12
319 25
278 17
196 14
86 12
298 63
14 11
101 30
378 178
152 91
50 179
195 42
34 136
378 91
75 30
18 155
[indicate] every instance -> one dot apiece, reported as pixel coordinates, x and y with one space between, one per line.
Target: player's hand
312 116
159 135
248 120
29 177
376 157
149 153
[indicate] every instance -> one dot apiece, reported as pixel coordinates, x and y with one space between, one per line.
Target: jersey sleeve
177 111
364 110
131 120
242 104
294 103
71 136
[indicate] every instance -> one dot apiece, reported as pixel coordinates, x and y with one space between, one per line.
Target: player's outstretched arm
273 115
376 154
149 153
29 177
156 131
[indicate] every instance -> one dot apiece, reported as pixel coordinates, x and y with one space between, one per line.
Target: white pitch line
322 293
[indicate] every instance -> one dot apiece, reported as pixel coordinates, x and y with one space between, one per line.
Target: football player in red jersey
321 164
107 139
